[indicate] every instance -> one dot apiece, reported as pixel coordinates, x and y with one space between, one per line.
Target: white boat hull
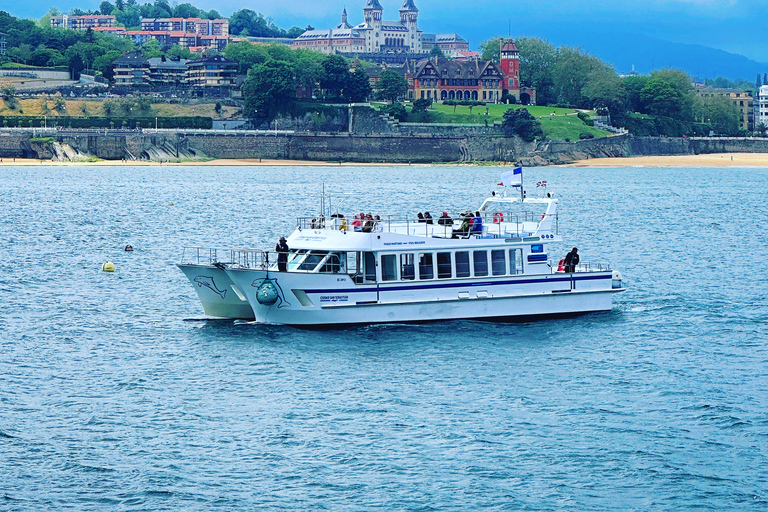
323 300
219 297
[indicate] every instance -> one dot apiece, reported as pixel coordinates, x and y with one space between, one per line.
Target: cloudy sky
733 25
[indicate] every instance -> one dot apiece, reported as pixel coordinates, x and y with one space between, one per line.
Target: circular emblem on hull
267 293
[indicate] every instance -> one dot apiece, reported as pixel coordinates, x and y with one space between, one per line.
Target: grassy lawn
564 124
34 107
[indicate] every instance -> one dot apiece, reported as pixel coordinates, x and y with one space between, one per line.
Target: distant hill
647 54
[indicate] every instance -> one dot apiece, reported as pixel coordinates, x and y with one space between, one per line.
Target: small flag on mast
541 184
513 178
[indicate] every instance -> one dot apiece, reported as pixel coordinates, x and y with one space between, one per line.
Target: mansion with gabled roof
441 79
375 35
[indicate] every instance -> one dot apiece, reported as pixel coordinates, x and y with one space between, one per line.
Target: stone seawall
344 147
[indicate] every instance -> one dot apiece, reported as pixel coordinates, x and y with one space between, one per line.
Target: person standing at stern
571 260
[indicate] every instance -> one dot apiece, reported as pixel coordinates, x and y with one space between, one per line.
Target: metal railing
241 258
499 224
584 266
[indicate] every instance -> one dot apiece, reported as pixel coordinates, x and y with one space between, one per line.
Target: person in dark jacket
427 218
282 255
571 260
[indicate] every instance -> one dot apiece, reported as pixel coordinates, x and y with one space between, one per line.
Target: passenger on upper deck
421 218
368 225
477 223
428 218
445 220
357 224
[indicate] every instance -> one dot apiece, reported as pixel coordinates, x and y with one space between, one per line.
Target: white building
761 107
373 35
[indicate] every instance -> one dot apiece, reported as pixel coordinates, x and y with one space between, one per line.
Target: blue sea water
110 400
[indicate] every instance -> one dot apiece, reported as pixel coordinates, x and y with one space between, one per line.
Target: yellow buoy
108 266
170 203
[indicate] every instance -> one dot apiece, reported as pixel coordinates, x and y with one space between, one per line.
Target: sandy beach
710 160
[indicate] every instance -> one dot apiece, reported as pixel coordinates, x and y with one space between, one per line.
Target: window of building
462 264
480 260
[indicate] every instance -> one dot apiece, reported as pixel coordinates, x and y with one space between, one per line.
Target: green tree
335 74
537 61
572 72
59 103
106 7
436 51
669 93
246 55
178 52
187 10
421 105
491 49
22 53
8 92
720 113
358 86
520 122
151 49
632 87
269 90
391 85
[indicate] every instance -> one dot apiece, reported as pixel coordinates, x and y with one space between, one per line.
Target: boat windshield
312 260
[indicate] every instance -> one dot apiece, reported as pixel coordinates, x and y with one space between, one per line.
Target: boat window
480 259
443 265
537 248
333 265
388 267
370 266
295 258
498 262
515 261
312 260
426 269
353 263
407 267
462 264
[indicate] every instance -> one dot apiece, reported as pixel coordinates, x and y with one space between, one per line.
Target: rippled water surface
110 400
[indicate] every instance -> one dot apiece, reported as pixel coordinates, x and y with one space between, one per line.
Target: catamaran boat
399 269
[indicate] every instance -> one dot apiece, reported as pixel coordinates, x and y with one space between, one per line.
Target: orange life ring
498 218
561 265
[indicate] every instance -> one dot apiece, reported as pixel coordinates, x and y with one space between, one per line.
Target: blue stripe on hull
385 288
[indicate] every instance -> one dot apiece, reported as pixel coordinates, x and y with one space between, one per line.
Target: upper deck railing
496 224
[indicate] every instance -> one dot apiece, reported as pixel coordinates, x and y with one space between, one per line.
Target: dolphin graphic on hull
208 283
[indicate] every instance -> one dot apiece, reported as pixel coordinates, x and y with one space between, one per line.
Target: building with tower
380 40
441 79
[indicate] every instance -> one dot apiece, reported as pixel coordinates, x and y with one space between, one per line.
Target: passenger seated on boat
466 225
357 224
477 223
368 224
421 217
313 223
445 220
427 218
